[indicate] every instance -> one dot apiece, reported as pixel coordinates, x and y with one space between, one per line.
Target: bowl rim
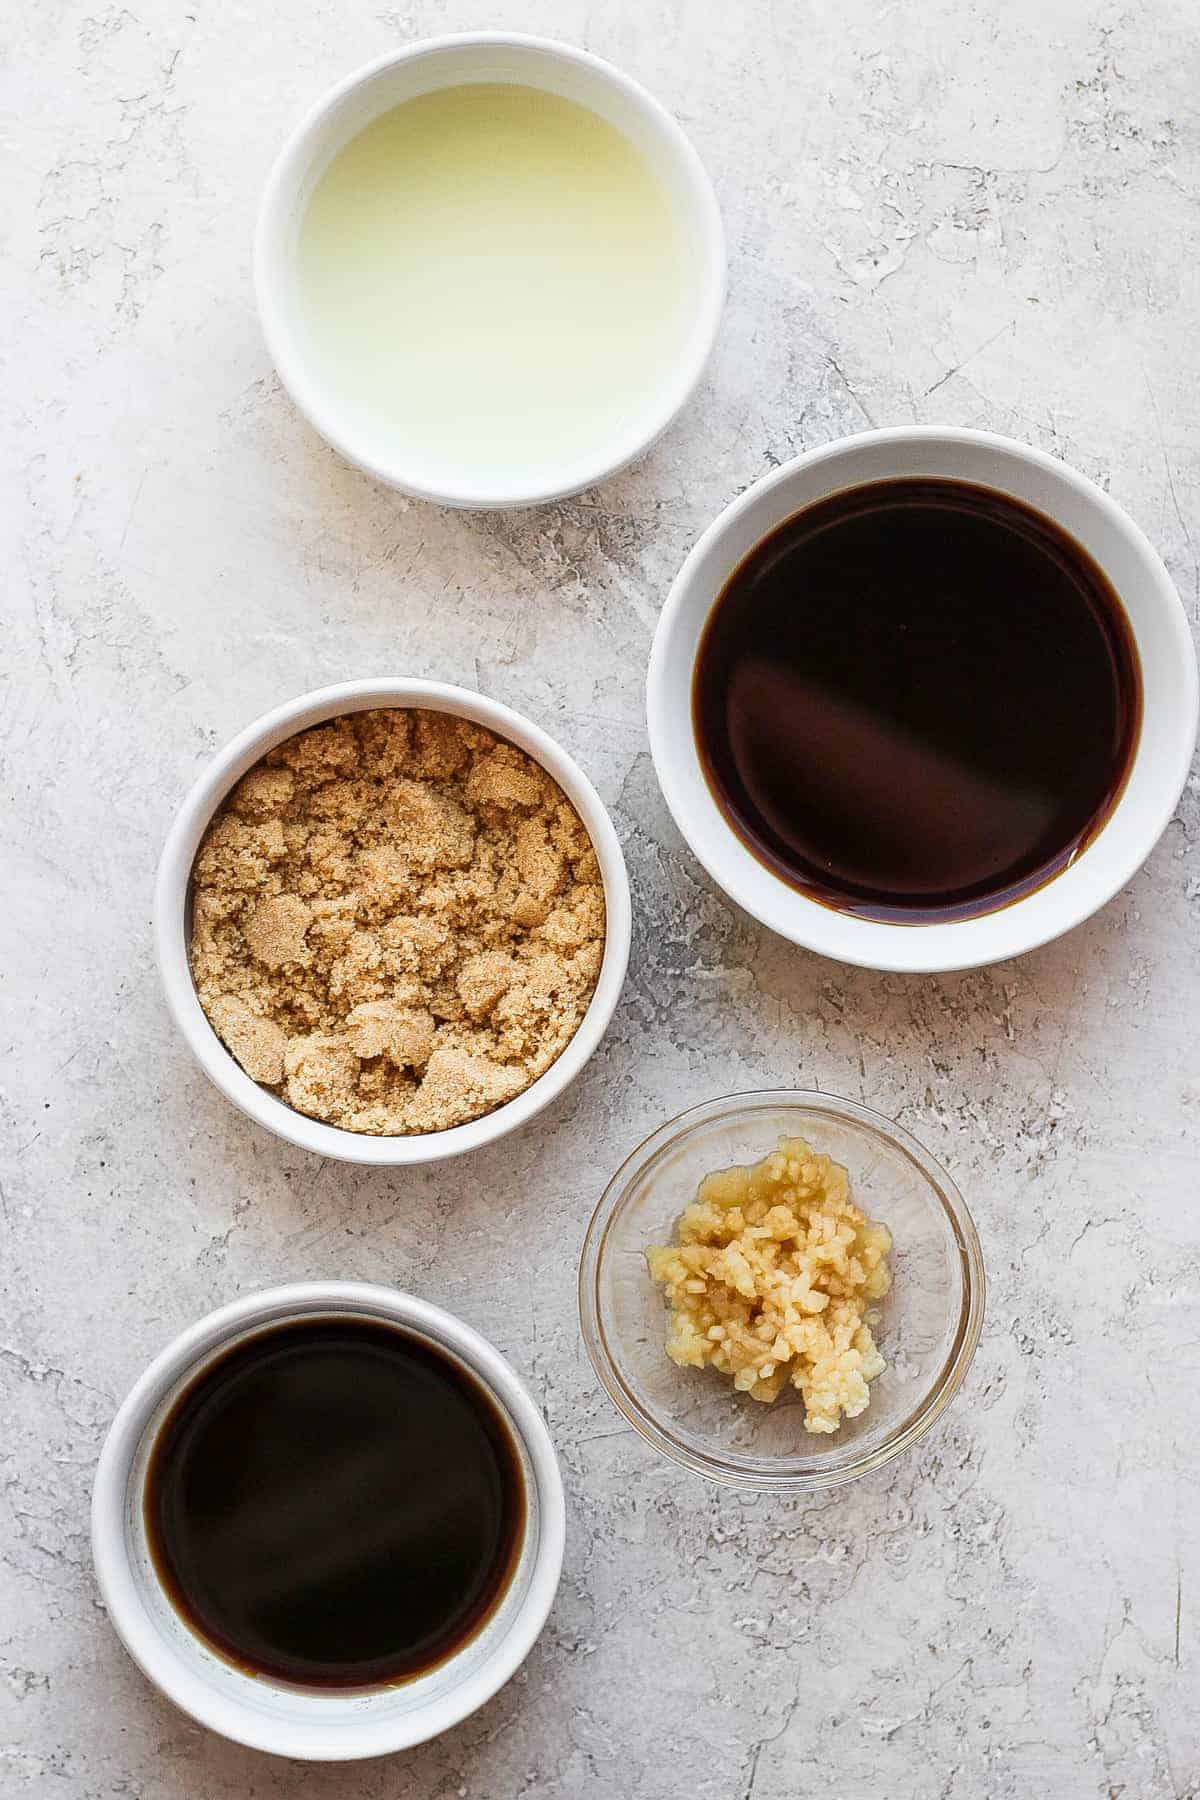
730 1469
709 286
183 838
901 948
187 1689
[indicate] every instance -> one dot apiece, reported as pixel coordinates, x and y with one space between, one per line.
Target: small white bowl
485 56
1161 762
172 919
287 1721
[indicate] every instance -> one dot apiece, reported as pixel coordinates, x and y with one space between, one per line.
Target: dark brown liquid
917 700
335 1503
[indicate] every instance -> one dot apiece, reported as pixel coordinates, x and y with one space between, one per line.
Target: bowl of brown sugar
392 921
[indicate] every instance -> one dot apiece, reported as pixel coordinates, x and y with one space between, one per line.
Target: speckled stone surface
954 212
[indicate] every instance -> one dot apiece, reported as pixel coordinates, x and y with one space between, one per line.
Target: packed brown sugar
398 921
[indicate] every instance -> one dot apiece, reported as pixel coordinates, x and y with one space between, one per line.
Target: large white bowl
172 919
325 1726
486 56
1160 629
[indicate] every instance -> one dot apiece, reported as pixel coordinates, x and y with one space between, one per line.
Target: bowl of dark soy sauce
328 1521
922 700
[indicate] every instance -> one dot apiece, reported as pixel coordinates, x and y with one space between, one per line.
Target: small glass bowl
928 1325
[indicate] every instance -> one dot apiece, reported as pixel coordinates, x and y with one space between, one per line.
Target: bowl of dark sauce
328 1521
922 700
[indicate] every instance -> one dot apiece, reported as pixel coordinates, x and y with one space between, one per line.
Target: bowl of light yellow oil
490 269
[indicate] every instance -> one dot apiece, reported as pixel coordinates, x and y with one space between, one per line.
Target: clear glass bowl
929 1323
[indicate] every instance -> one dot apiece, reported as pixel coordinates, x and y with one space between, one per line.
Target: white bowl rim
381 1736
170 901
814 926
710 283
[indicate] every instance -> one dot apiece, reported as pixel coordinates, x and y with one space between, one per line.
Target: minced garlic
770 1281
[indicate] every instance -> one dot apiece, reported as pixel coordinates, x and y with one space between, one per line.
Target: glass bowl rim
731 1468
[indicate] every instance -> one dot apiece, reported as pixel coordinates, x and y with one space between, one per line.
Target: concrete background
951 212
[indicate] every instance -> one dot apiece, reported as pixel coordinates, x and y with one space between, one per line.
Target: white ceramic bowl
447 62
172 919
1165 747
320 1727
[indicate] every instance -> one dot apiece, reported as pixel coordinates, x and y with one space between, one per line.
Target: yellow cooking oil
493 283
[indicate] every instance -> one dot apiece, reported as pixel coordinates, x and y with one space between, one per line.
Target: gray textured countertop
957 212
